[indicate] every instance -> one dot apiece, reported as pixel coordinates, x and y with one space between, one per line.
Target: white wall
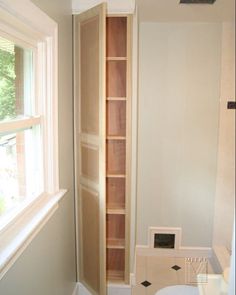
232 266
225 189
47 266
179 90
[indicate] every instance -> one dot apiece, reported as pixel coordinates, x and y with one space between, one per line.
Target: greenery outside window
20 140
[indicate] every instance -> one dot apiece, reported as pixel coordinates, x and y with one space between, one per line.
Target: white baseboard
82 290
132 279
112 289
181 252
76 290
220 258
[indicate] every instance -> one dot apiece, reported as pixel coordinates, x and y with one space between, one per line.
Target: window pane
20 169
16 81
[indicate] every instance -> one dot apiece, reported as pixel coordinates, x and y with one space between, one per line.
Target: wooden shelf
115 276
114 137
116 58
115 244
116 175
114 206
116 98
119 211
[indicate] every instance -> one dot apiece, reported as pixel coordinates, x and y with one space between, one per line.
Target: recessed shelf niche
116 118
117 61
115 189
116 78
116 36
115 264
116 156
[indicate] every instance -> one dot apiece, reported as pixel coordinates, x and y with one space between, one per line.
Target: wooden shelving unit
102 125
117 60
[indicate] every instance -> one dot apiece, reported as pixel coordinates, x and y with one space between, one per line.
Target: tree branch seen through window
7 85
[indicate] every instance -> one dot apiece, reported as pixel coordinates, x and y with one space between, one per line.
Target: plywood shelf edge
116 98
117 211
116 58
114 137
115 276
115 244
116 175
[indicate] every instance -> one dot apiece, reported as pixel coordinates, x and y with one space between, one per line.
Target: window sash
17 125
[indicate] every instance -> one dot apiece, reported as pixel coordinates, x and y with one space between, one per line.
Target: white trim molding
134 138
133 278
32 19
181 252
113 6
178 251
76 289
220 258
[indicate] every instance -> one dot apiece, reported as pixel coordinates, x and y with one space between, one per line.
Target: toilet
178 290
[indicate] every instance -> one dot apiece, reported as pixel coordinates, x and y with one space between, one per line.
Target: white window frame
26 23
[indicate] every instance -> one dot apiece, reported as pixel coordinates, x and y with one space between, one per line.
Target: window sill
15 239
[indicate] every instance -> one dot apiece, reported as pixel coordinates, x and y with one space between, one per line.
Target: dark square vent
197 1
164 241
231 105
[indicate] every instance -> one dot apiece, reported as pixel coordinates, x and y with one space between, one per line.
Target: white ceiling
113 6
172 11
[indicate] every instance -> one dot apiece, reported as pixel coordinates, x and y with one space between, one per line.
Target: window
20 129
29 186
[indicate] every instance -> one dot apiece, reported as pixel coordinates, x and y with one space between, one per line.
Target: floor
154 273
